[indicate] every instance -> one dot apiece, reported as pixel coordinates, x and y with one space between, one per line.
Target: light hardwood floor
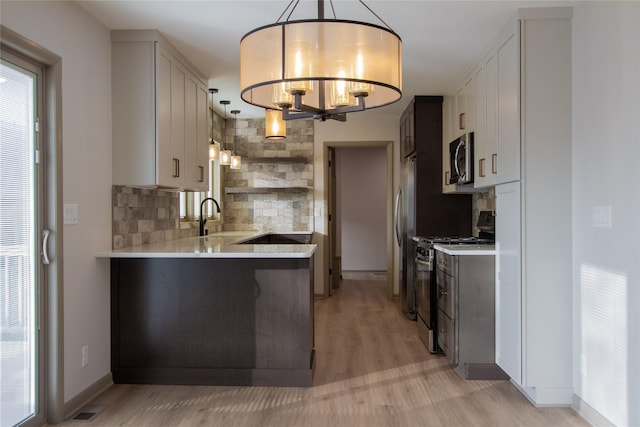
371 370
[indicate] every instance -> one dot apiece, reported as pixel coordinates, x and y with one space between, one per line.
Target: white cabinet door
459 119
486 149
202 139
178 123
508 281
507 164
481 177
491 140
470 104
191 133
164 162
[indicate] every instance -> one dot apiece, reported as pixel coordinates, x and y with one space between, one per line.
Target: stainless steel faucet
203 220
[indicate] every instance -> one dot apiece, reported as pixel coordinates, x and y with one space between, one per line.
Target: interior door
21 243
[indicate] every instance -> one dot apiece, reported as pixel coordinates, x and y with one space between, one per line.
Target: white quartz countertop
466 249
218 245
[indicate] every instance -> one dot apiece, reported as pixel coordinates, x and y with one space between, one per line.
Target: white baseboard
541 397
76 403
587 412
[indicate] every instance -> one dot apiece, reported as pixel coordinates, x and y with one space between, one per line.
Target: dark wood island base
212 321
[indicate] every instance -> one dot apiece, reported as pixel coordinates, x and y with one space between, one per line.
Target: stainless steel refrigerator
421 208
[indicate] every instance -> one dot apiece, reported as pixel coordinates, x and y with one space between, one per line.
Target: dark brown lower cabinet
212 321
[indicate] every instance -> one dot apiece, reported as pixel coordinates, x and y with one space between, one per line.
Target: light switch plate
602 216
70 213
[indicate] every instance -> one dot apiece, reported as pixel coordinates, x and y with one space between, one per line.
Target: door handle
45 252
397 215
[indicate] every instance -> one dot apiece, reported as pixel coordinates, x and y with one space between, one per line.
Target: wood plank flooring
371 370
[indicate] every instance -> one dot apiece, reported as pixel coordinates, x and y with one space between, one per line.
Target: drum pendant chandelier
321 68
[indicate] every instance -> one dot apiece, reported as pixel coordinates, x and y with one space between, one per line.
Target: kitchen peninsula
213 310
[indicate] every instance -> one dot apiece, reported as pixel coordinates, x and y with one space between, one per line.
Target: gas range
424 245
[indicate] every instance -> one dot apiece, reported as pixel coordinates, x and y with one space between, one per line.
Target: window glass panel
18 259
183 205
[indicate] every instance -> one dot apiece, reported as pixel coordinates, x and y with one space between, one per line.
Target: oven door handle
425 263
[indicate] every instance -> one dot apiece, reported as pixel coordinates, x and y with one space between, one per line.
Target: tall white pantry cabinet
533 219
160 114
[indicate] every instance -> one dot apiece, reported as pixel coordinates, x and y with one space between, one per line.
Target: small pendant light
235 160
225 155
214 149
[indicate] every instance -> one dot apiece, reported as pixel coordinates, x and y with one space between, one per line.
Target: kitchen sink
279 239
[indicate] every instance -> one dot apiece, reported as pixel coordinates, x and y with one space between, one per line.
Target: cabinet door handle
443 292
494 163
461 123
201 170
481 168
176 168
446 178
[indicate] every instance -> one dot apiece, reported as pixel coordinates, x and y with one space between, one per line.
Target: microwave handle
455 159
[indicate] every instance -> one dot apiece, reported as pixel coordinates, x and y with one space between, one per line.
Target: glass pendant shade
328 62
275 127
214 151
225 157
235 162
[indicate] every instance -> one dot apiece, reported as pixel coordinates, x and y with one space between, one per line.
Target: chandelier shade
321 67
275 127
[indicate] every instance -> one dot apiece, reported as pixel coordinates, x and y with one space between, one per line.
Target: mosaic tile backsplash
145 216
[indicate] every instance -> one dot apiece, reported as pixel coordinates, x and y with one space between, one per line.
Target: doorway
362 257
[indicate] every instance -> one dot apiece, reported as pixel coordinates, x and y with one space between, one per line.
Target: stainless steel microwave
461 159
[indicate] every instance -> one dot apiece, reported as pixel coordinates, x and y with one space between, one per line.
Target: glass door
21 243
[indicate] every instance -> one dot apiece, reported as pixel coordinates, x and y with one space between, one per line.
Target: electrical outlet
85 355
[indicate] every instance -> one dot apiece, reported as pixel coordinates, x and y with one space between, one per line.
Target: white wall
360 128
606 172
362 208
85 48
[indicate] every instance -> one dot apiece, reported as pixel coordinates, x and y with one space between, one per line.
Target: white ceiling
440 39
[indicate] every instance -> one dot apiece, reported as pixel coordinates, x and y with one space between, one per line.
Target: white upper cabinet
497 137
458 118
159 114
506 165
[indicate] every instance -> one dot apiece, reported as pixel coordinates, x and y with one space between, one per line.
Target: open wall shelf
265 190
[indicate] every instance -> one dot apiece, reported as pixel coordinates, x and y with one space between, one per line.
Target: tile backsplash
484 201
145 216
286 167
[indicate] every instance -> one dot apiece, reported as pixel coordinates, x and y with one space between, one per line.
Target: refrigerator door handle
397 216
